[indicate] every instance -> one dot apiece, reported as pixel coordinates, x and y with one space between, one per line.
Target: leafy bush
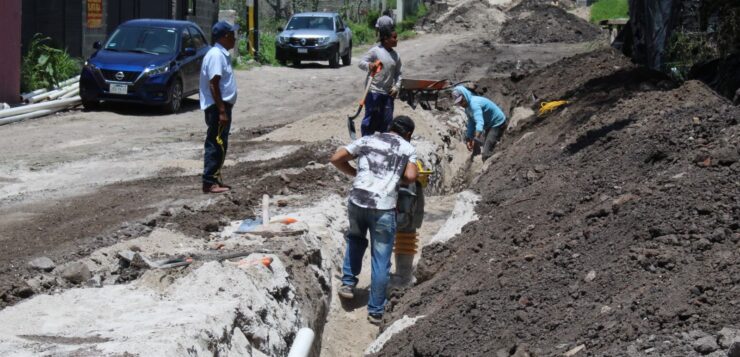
45 66
684 50
362 33
372 18
609 9
266 54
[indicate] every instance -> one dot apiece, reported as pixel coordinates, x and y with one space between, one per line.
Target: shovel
350 119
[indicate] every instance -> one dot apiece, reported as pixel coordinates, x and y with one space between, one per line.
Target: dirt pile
469 15
612 224
535 22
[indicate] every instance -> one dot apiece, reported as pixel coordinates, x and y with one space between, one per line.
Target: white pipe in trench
302 343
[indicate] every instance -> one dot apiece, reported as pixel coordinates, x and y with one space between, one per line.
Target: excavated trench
118 299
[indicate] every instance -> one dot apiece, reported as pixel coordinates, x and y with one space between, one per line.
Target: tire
347 59
296 63
90 105
283 62
334 59
175 97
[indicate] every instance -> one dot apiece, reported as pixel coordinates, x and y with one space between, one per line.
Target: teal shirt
482 113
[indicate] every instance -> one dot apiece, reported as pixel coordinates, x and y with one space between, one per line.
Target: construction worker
384 161
486 122
384 21
385 84
217 97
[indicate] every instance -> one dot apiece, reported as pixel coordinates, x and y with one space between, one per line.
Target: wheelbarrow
423 91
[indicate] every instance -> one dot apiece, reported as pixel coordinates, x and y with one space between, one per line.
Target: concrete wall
89 36
206 14
10 60
60 20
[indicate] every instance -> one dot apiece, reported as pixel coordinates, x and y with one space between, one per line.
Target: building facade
10 59
76 25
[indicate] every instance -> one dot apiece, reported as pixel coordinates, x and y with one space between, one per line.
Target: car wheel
175 97
296 63
334 59
90 104
347 59
283 62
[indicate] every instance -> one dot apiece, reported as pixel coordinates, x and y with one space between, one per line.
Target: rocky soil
608 227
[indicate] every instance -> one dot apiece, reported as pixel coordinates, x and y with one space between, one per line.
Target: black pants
217 142
492 136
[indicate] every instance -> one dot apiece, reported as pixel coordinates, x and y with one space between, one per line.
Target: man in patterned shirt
384 160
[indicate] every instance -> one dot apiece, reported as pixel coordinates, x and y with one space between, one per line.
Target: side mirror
97 45
189 52
280 29
341 29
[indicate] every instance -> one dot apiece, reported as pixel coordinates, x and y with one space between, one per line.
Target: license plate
302 50
118 89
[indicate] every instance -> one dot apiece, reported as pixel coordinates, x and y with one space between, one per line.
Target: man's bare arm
341 160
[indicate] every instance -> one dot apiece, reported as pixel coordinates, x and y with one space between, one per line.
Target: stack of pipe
43 102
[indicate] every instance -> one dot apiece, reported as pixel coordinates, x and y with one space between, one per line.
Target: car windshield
149 40
310 22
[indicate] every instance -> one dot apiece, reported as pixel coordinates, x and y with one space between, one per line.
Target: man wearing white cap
486 121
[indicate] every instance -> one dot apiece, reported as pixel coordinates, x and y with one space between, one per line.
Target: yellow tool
547 107
423 176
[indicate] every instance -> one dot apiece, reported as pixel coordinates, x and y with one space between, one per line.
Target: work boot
346 292
375 319
214 188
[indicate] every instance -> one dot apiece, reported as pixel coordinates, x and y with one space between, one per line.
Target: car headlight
282 39
323 40
157 70
90 65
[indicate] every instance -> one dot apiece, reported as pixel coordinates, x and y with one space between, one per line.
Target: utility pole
399 11
253 27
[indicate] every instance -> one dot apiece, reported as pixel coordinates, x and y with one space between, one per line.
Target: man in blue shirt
485 121
217 97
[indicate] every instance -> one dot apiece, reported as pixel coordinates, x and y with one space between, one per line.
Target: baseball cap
221 28
457 96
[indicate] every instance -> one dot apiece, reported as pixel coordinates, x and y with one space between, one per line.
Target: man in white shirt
384 160
217 97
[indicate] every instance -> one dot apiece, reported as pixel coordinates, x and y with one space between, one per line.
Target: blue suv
153 62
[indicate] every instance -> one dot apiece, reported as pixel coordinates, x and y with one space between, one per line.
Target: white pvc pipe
265 209
30 115
25 96
71 94
302 343
41 94
64 91
34 107
69 81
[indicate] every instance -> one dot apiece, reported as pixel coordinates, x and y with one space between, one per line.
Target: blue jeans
378 114
215 151
382 227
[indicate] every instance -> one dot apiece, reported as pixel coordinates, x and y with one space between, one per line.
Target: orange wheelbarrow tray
424 84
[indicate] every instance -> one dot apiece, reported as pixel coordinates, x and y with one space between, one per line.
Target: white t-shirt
381 162
217 62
